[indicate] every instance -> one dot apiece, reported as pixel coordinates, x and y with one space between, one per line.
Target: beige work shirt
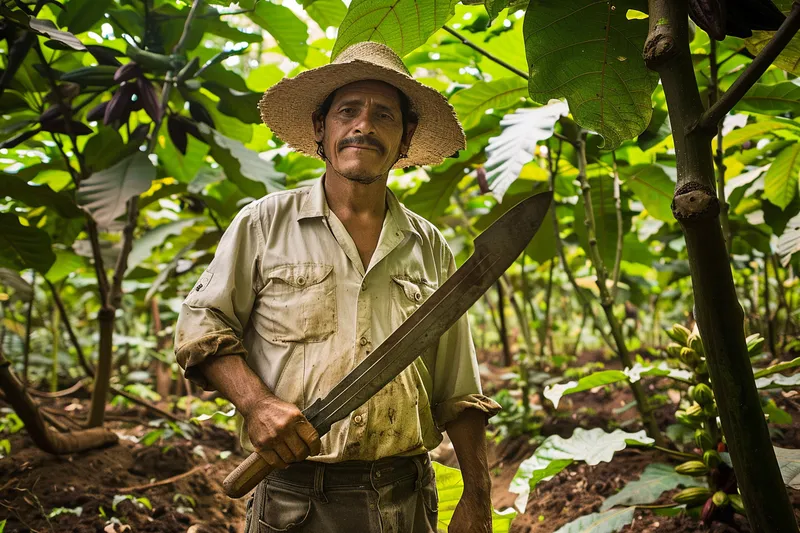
287 290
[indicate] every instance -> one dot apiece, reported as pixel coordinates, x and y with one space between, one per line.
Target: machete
495 250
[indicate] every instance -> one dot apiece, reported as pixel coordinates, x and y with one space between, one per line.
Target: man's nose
364 124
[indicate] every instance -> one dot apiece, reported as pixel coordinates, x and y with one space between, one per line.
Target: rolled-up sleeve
457 385
213 316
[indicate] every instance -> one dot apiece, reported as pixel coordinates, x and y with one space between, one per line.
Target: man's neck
350 199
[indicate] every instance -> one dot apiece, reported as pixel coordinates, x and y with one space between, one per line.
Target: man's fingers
309 436
284 452
272 459
298 447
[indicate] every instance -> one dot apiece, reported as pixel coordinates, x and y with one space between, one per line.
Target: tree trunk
102 378
718 312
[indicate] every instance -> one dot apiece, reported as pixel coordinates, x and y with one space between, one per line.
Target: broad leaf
591 54
655 480
760 129
777 381
556 453
638 370
144 245
472 103
24 247
280 22
771 99
66 263
515 146
780 182
81 15
105 193
598 379
46 27
450 486
789 463
780 367
605 218
402 25
652 187
607 522
253 175
326 13
38 195
789 58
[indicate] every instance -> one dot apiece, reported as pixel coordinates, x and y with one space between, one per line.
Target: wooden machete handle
246 476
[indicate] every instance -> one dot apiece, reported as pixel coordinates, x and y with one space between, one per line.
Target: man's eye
387 116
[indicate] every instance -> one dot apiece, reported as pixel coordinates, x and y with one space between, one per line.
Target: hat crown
372 52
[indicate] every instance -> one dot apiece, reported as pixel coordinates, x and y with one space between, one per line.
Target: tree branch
483 52
618 209
753 72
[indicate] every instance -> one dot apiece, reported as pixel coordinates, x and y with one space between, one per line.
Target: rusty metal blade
495 250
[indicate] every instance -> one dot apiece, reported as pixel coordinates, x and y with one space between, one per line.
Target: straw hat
286 108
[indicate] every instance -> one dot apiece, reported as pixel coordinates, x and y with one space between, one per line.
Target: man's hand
280 433
473 514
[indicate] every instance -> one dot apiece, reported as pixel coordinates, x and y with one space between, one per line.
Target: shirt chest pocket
407 295
300 302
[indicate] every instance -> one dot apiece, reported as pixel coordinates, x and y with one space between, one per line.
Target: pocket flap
415 291
301 275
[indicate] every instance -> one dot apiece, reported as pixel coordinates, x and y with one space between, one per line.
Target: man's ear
411 127
319 126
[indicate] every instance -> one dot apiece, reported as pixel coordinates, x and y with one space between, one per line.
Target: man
305 283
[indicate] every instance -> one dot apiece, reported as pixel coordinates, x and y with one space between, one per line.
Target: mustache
363 140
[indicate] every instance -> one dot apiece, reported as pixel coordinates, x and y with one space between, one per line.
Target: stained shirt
287 290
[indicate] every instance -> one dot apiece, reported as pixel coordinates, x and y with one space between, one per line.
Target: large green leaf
780 182
144 245
780 367
24 247
789 463
254 176
607 522
450 486
597 379
400 24
104 148
653 187
655 480
772 99
81 15
605 218
183 167
556 453
105 193
760 129
590 53
66 263
778 381
472 103
280 22
789 58
326 13
38 195
789 241
507 153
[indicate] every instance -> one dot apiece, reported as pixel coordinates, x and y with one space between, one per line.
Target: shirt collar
316 205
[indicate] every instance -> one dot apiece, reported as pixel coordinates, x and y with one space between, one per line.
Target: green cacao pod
736 503
720 499
694 411
692 468
679 334
754 344
703 439
692 496
690 393
703 394
712 459
101 75
695 343
689 357
674 350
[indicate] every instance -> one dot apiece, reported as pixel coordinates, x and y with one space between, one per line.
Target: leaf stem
480 50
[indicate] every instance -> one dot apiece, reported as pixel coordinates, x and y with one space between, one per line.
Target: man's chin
362 174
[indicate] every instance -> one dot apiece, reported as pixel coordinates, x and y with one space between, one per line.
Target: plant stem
676 453
718 312
618 209
477 48
606 300
546 323
28 328
719 159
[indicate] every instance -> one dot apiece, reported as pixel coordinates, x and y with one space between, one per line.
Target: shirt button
301 280
363 341
357 419
417 296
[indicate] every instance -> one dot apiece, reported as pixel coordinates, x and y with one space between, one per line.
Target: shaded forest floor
105 484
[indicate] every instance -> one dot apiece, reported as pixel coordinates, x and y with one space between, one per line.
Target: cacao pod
689 357
703 439
679 334
177 133
674 350
692 496
710 15
736 503
720 499
18 139
100 75
696 343
150 60
200 114
149 97
128 71
105 55
694 411
754 344
139 134
692 468
482 183
690 393
709 512
97 112
712 459
703 394
59 125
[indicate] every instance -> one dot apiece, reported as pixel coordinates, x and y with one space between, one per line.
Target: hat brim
287 109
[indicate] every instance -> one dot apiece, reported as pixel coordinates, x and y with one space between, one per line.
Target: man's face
362 134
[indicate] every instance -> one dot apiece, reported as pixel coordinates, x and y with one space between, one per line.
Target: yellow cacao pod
692 496
692 468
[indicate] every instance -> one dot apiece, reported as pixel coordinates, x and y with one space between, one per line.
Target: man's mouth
361 147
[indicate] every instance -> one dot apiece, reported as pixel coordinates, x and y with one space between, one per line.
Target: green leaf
402 25
182 167
280 22
472 103
252 175
778 381
24 247
653 187
450 486
592 55
66 263
771 99
789 58
105 193
81 15
46 27
789 463
780 367
144 245
776 414
638 370
263 77
760 129
39 195
556 453
780 182
607 522
326 13
605 218
604 377
655 480
105 148
507 153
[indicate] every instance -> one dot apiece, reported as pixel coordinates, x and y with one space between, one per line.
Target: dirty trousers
391 495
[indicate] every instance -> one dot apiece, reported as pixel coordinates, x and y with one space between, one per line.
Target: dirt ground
33 484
